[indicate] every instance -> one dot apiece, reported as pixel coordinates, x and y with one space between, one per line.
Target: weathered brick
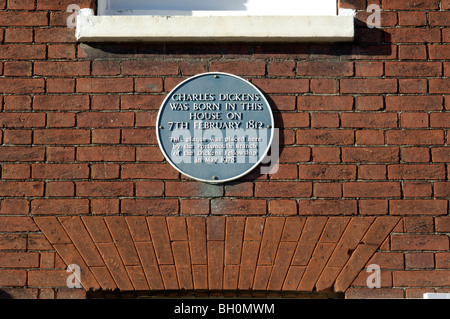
73 206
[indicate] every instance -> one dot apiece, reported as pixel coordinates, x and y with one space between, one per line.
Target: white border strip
338 28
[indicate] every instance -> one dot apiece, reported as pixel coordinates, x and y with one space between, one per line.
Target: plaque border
228 179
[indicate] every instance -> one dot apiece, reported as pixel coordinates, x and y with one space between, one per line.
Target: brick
327 207
369 137
106 153
372 171
442 189
416 171
21 18
105 119
439 86
327 190
60 5
369 120
373 207
324 120
325 103
414 103
60 120
439 120
282 207
62 136
413 69
71 206
412 51
21 153
238 206
439 52
369 69
410 5
13 277
281 68
368 86
324 86
105 171
17 137
442 224
415 154
413 120
17 68
326 154
107 189
419 260
292 120
139 136
412 18
64 189
418 206
415 137
282 85
22 51
195 207
9 188
60 154
59 102
440 154
14 206
283 189
247 68
13 241
149 154
70 69
22 86
329 69
105 85
325 137
371 189
370 154
192 189
17 120
61 51
149 206
13 224
55 35
419 242
369 103
324 172
105 102
113 261
413 35
149 85
156 68
417 189
60 171
17 103
442 260
420 224
105 206
282 102
152 171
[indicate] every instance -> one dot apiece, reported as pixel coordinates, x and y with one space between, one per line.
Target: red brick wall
363 132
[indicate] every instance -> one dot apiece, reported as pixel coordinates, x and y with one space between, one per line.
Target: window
216 21
211 7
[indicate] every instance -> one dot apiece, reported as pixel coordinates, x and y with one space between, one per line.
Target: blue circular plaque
215 127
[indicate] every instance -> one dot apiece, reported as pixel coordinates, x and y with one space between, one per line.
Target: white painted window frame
257 24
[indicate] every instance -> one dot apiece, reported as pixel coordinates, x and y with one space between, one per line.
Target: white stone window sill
219 28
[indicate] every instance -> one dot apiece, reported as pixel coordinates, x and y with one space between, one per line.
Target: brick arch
217 253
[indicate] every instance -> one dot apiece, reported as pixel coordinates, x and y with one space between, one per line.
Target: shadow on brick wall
5 295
